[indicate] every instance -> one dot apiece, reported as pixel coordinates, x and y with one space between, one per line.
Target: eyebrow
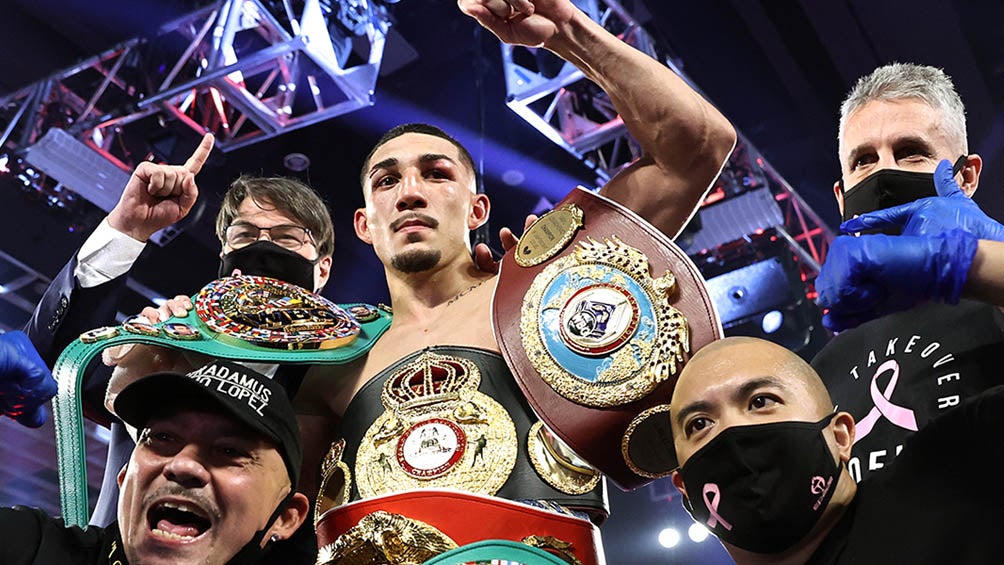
740 394
426 158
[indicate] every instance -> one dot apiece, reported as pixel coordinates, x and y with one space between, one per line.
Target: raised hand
157 196
521 22
25 381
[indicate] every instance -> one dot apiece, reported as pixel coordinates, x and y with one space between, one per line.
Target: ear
678 483
292 517
843 432
122 474
362 225
971 174
480 208
322 272
838 193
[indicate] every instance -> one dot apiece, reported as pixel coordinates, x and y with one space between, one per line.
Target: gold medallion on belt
599 329
437 431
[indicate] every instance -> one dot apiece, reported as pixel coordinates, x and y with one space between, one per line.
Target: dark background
777 68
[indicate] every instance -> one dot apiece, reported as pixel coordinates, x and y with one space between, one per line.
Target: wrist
137 233
959 247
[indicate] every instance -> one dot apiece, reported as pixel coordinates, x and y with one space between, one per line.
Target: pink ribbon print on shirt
898 415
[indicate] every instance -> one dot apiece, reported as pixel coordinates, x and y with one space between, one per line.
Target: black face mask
266 259
762 487
886 188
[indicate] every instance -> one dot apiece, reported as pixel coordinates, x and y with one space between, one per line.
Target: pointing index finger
198 158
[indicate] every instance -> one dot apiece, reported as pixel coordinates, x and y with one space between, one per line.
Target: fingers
530 219
164 181
178 307
895 216
944 181
484 259
152 314
507 239
195 162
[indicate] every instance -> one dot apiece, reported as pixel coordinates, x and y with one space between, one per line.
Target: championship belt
437 431
244 318
596 311
439 526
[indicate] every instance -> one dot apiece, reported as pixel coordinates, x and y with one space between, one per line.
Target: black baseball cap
240 391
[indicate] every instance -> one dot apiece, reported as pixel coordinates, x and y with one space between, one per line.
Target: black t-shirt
896 373
941 501
29 537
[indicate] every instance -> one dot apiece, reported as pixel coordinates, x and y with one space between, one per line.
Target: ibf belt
416 526
596 311
437 431
243 318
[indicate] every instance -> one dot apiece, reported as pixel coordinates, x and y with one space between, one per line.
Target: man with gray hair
912 349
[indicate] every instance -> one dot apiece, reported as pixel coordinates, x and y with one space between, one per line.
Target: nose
411 192
186 468
264 233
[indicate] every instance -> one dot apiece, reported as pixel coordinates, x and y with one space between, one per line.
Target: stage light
669 537
771 321
697 533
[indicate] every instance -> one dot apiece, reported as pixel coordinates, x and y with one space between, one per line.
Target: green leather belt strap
69 372
496 551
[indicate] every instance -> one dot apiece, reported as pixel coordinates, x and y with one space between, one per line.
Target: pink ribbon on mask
712 488
898 415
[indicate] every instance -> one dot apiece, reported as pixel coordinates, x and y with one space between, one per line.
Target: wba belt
417 526
453 417
243 318
596 311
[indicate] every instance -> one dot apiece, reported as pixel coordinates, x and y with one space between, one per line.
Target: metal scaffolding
236 68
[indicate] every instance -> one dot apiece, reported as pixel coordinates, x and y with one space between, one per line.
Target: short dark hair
287 195
425 129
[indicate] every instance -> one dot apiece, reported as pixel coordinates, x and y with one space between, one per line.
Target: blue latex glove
25 380
873 275
931 216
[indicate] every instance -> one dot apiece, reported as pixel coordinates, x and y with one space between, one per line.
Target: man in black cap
212 479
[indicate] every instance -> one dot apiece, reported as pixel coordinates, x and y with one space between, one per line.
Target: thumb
944 181
33 418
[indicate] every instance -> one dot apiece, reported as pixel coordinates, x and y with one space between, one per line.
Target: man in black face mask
273 227
901 361
763 458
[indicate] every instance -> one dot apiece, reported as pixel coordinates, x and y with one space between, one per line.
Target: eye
762 401
437 174
696 425
864 160
911 153
159 441
153 436
385 181
232 452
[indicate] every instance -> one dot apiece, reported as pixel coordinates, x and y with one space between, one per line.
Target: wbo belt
244 318
417 526
596 311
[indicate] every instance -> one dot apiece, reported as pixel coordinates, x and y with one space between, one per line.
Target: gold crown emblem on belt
437 430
